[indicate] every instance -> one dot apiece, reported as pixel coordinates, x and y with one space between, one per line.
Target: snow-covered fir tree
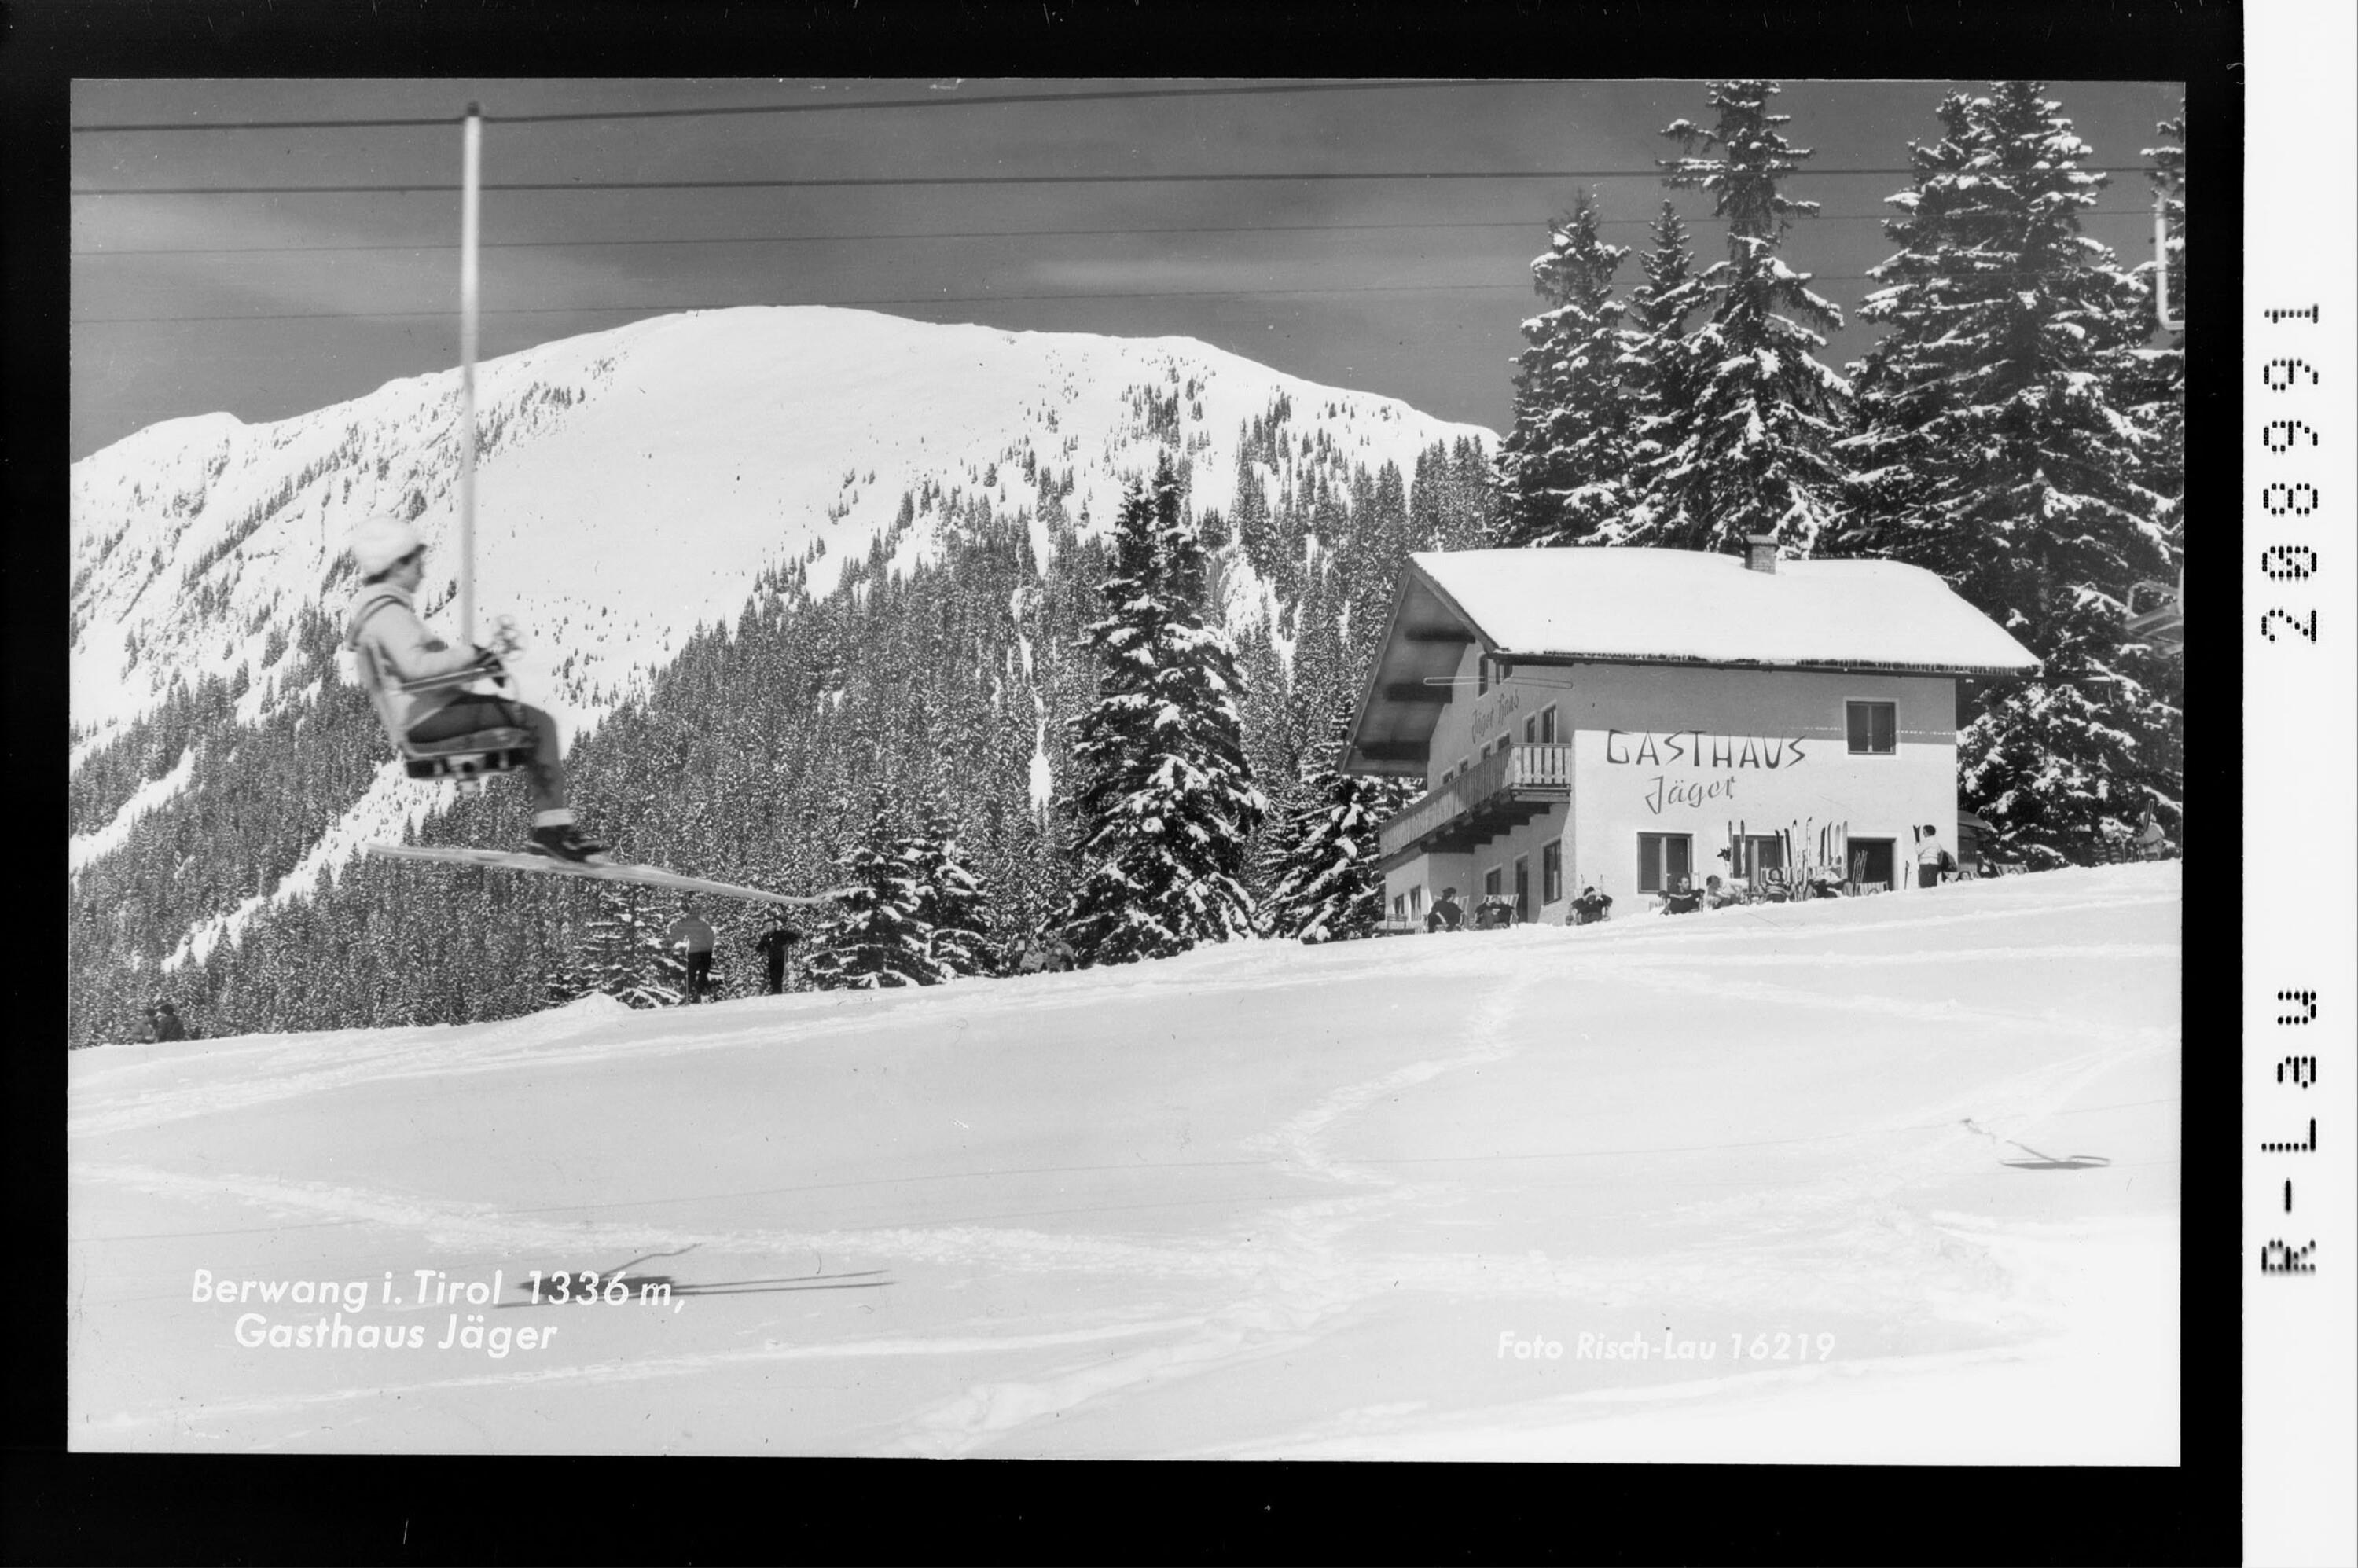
1562 465
624 952
951 899
1752 455
1996 448
1330 889
1165 799
2066 764
1657 373
873 937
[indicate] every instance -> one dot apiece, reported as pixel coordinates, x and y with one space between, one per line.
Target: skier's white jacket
392 645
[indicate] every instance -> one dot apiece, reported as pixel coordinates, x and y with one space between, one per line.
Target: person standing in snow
163 1023
773 945
394 650
694 938
1931 859
1445 915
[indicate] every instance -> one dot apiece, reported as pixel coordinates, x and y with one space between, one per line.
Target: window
1482 676
1400 907
1758 853
1552 872
1523 889
1491 880
1415 903
1662 860
1874 728
1547 725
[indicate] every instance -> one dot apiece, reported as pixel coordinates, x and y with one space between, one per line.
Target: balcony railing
1503 790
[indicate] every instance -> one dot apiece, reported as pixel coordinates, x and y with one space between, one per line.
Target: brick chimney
1760 552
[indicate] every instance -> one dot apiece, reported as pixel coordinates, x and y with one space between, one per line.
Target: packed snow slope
1826 1179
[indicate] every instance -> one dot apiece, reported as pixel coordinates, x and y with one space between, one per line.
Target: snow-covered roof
1712 609
1684 607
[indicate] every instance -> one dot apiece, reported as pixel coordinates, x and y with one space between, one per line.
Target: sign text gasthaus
1693 749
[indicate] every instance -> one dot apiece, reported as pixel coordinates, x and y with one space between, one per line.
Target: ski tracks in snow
1306 1281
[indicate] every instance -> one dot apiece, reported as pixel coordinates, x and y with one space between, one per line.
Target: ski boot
564 841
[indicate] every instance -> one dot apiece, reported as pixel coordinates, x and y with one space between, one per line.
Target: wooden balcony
1503 790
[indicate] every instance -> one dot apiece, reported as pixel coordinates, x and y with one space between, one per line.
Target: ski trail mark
1306 1281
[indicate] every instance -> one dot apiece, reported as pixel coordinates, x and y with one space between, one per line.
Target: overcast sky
270 305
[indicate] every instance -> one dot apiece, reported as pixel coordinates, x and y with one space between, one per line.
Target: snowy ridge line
672 1367
1307 1283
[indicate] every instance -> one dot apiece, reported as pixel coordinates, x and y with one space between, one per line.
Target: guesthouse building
1629 718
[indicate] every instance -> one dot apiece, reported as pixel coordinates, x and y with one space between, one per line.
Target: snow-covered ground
1263 1200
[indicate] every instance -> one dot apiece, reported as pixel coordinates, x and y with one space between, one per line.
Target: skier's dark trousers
773 945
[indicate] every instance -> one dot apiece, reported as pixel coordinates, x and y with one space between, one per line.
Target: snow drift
1808 1183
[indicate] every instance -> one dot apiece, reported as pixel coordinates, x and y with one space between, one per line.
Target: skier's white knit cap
381 541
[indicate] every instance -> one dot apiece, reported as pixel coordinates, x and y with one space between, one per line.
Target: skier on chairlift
419 682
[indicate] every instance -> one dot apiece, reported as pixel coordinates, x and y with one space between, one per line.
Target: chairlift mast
469 303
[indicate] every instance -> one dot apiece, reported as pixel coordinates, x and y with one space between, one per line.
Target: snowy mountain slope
633 484
1262 1200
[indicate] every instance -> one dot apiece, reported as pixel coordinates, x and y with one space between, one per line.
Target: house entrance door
1870 863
